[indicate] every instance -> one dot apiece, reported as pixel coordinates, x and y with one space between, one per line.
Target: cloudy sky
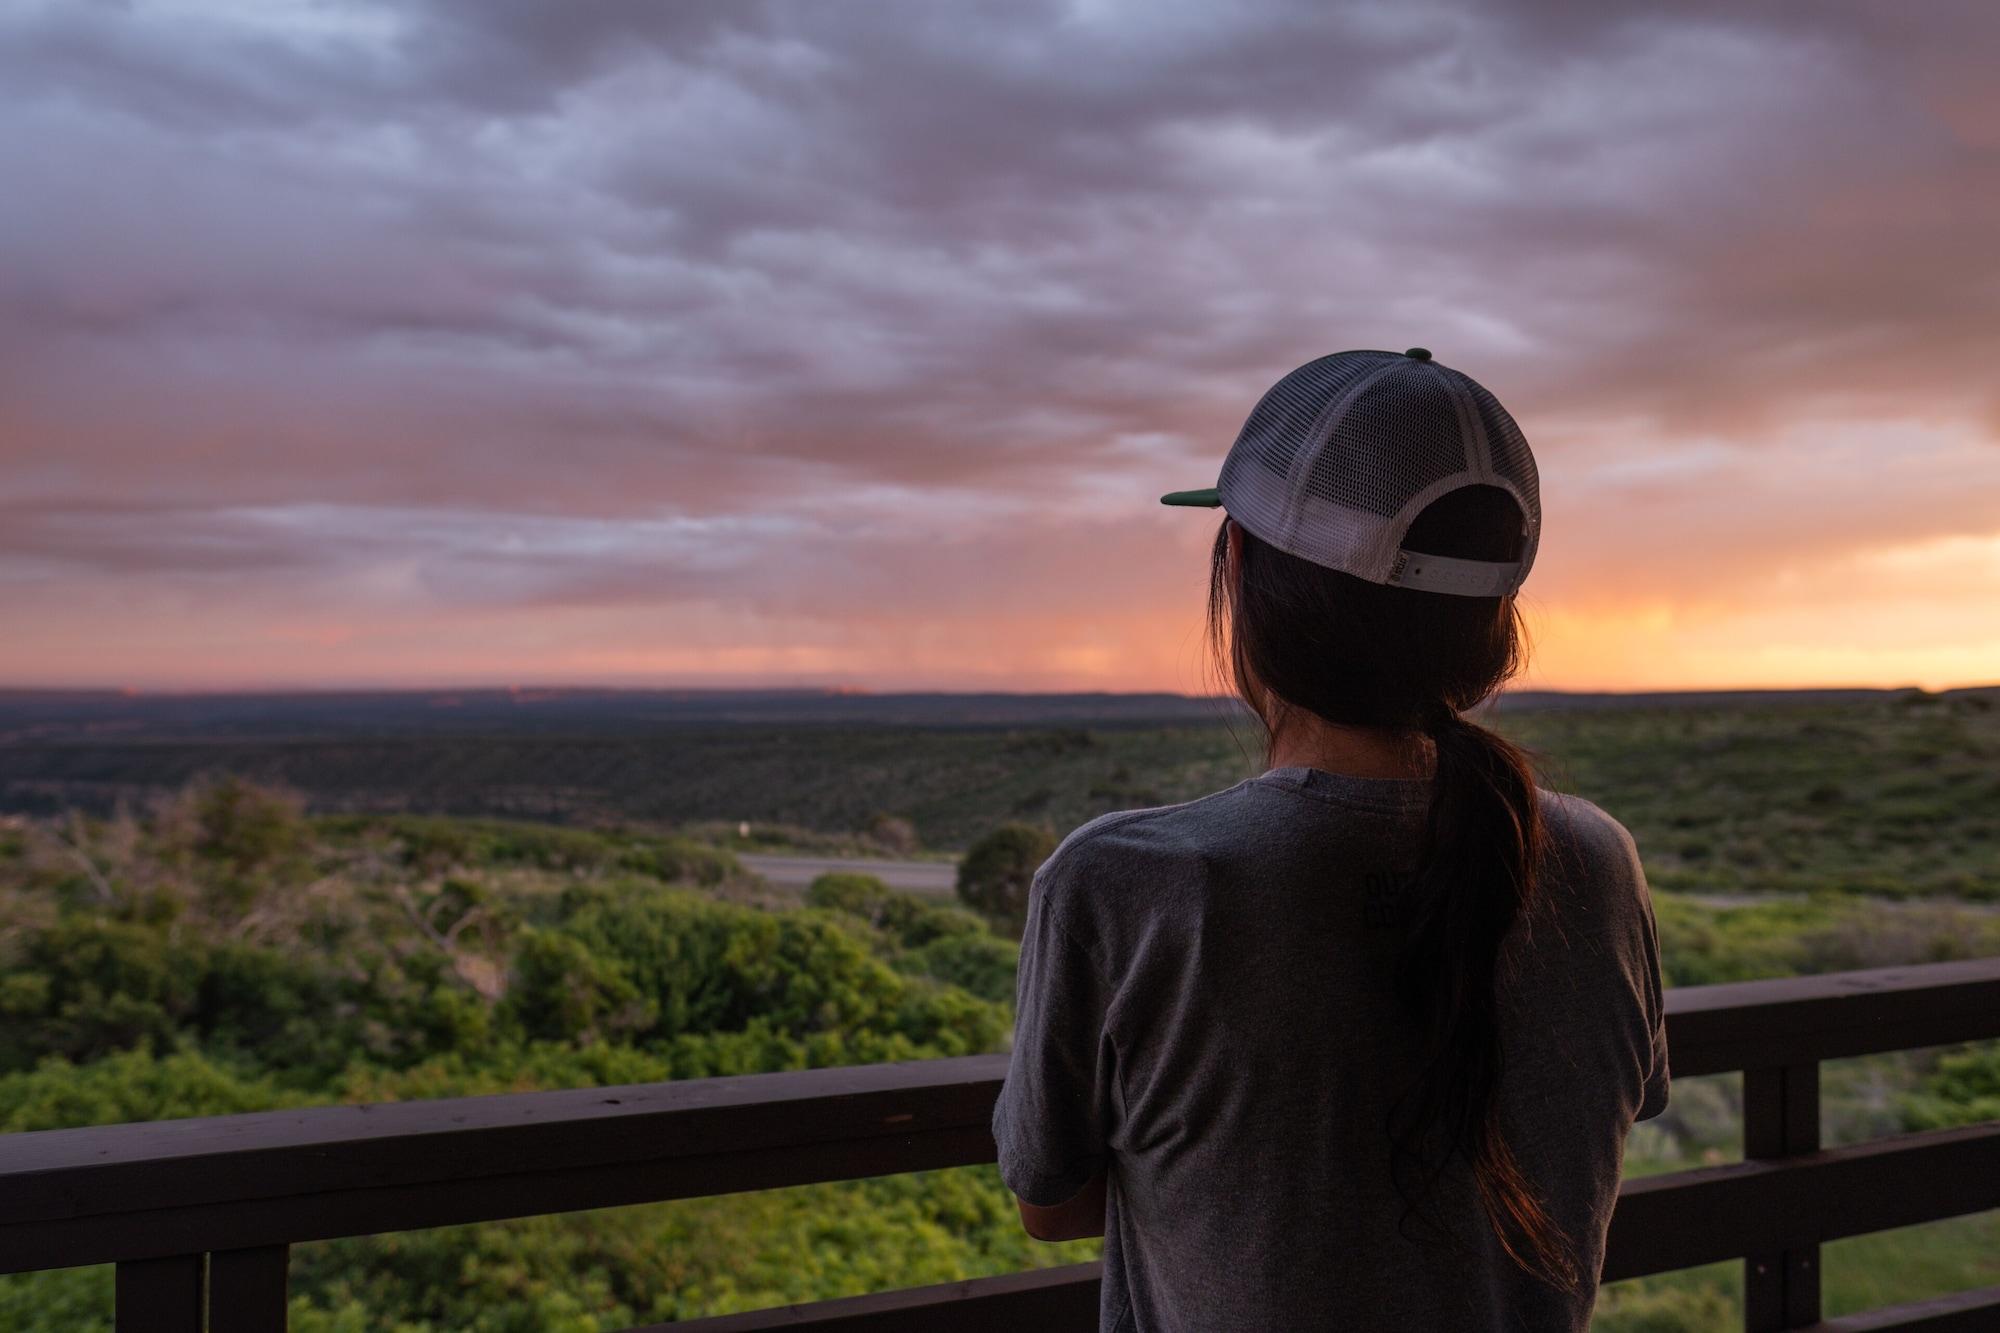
490 341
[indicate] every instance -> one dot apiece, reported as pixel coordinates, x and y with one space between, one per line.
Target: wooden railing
198 1215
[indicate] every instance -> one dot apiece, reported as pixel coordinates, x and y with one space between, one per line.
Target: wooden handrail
1802 1020
115 1192
151 1195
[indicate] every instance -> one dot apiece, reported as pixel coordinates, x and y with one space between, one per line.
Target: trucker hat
1342 454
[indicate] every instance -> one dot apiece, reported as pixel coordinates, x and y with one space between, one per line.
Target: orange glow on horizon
698 351
1646 646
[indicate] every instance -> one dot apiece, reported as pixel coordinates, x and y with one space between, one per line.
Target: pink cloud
765 340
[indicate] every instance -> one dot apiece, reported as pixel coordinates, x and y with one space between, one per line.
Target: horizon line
854 691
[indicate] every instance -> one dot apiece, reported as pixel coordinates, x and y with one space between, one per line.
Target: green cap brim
1208 498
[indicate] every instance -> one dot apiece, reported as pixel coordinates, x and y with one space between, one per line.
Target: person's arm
1076 1218
1053 1119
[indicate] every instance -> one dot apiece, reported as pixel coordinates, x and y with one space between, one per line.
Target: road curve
941 878
938 877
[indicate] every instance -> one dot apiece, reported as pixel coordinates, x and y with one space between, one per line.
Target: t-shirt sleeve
1653 1097
1054 1114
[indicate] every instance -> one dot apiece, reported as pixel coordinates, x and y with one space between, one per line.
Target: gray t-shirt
1205 1008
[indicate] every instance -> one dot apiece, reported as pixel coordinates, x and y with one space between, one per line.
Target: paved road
939 877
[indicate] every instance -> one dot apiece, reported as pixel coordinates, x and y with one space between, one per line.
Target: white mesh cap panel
1342 454
1511 460
1512 463
1256 477
1399 436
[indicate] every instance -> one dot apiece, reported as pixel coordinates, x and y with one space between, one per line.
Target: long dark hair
1295 637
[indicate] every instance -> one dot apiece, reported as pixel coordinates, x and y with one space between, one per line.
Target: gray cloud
719 265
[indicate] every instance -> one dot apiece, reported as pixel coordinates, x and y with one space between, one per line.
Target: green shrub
246 826
1964 1089
980 964
997 871
133 1085
434 845
893 832
85 987
909 919
845 891
563 991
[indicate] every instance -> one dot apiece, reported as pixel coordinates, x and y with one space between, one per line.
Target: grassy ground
1890 795
1818 812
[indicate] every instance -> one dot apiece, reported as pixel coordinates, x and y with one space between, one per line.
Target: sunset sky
501 341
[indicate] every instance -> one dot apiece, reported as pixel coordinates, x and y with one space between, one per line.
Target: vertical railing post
246 1290
1781 1288
162 1295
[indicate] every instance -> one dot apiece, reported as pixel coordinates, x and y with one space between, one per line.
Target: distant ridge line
9 693
70 716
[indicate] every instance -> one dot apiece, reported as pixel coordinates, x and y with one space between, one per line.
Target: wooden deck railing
199 1214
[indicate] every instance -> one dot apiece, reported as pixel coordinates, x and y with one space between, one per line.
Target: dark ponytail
1483 840
1299 637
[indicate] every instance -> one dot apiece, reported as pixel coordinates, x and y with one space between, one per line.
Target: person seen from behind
1356 1043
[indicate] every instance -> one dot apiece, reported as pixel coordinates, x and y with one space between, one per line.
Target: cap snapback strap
1444 573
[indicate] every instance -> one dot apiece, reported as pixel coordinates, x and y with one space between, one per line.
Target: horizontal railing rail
199 1214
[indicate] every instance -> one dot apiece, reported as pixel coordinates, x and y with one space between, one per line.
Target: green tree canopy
997 870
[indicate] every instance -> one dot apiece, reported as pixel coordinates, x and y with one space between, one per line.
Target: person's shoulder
1138 846
1589 848
1148 833
1587 825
